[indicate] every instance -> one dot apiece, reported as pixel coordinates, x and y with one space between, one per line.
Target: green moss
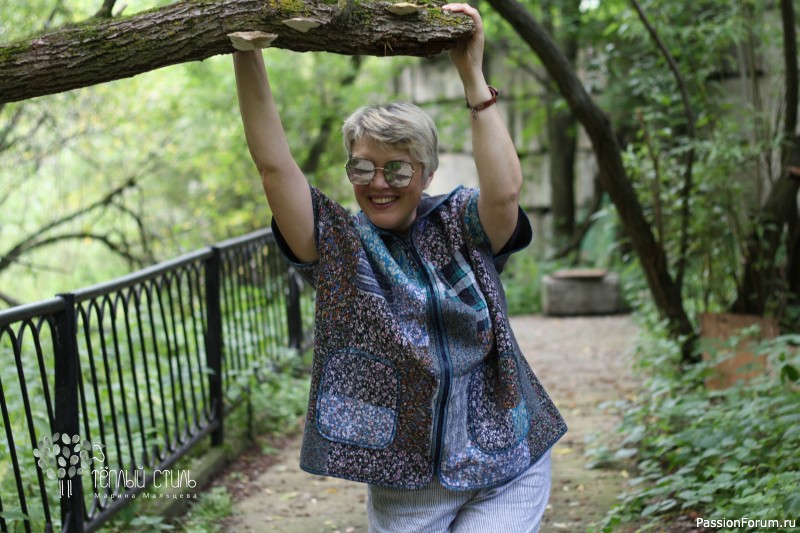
440 18
291 8
10 50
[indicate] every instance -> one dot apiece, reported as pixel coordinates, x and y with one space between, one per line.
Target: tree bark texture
192 30
778 218
562 127
666 294
561 132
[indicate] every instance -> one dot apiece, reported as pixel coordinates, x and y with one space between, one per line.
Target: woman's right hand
467 55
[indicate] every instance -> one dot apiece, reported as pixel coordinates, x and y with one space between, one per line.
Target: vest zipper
438 323
442 408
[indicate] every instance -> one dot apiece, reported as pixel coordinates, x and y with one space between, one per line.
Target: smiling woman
418 388
392 157
390 206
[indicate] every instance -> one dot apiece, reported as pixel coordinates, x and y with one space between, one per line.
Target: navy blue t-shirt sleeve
520 238
307 270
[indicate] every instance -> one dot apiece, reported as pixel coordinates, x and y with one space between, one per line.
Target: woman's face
389 208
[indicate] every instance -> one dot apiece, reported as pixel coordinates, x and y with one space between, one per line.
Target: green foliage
276 391
279 398
139 524
725 453
522 284
737 129
207 514
176 132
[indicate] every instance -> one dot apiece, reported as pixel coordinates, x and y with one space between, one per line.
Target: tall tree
777 221
646 224
562 20
666 293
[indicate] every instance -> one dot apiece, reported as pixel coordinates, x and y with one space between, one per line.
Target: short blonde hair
397 124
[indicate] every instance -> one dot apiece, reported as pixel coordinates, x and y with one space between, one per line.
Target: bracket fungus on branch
404 8
193 30
251 40
302 24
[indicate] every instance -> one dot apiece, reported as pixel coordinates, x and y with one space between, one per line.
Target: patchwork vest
416 371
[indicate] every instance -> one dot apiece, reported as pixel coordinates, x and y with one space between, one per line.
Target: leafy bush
206 515
275 392
282 396
522 283
727 453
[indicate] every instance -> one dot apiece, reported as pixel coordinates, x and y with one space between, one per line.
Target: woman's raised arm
496 159
284 184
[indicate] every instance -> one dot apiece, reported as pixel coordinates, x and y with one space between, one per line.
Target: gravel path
583 362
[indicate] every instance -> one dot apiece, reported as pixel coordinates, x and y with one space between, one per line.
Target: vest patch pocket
493 428
357 399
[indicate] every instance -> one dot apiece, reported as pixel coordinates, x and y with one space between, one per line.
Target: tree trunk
761 276
191 30
561 124
665 292
793 261
561 131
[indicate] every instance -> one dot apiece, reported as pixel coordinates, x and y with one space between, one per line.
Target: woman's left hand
467 55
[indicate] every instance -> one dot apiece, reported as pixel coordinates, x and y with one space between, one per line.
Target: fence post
294 318
214 345
67 408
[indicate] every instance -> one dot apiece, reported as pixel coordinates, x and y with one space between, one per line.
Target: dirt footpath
582 362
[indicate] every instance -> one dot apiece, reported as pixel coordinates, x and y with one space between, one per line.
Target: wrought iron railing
104 389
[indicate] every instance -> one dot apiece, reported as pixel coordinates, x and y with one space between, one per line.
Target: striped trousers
514 507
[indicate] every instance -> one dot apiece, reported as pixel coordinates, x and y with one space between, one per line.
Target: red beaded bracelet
482 105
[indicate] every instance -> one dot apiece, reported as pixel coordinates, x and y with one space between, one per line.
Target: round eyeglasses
396 173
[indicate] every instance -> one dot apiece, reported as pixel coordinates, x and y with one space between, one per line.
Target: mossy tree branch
190 30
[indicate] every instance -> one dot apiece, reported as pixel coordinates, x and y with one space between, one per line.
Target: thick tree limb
191 30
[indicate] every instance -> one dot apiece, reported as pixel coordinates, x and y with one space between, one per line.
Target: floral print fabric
416 371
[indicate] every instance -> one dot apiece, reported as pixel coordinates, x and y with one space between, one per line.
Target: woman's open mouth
383 200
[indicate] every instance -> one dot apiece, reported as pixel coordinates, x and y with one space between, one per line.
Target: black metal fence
104 389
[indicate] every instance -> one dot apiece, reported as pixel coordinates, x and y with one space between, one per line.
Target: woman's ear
428 180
